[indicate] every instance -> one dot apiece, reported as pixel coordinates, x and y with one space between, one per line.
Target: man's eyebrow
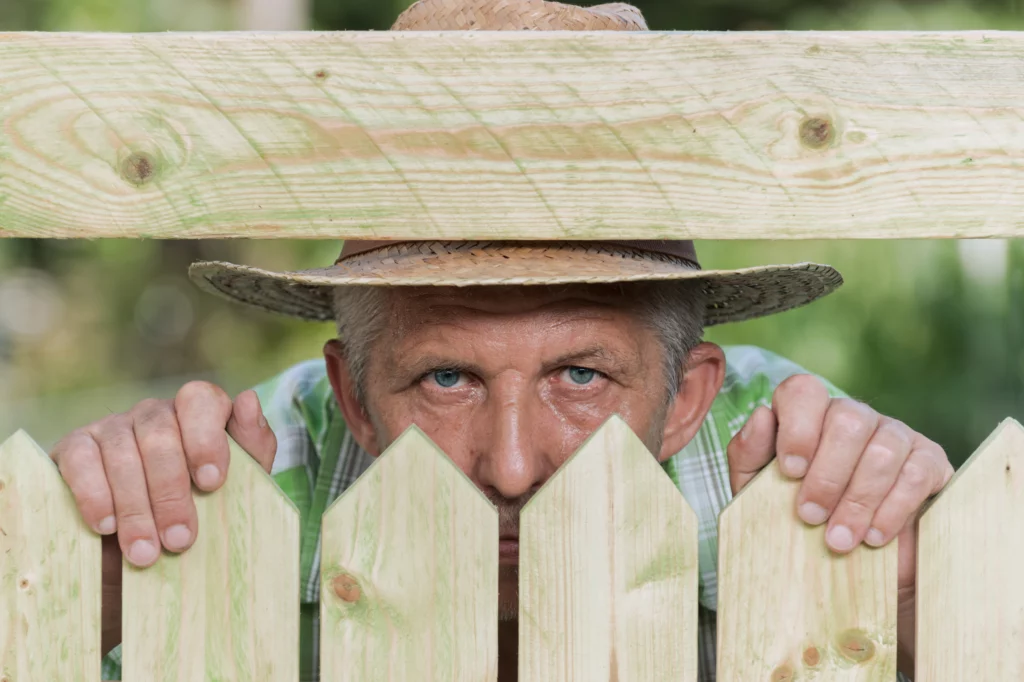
426 363
600 353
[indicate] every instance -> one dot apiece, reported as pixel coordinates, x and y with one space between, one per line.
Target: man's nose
512 460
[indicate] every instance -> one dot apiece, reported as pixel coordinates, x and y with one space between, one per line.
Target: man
508 355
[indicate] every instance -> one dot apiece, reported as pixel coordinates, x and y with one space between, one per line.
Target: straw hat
732 295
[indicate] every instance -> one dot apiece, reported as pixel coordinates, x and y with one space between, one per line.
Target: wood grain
409 573
49 573
512 135
228 608
608 569
790 609
970 600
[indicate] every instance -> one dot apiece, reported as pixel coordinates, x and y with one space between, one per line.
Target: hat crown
517 15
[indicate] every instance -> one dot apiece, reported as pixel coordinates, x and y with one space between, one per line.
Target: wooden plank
512 135
228 608
788 607
49 573
608 569
970 601
409 573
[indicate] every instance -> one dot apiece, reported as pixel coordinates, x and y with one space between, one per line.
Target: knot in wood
784 673
138 168
346 587
855 646
812 656
320 74
816 132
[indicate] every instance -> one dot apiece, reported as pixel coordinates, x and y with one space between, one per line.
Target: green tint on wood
409 570
228 608
512 135
608 569
970 597
788 607
49 573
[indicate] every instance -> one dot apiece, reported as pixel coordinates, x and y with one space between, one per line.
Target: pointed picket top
49 572
409 584
608 569
228 608
791 609
970 600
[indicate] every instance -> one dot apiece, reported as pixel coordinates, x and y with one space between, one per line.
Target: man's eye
581 375
447 378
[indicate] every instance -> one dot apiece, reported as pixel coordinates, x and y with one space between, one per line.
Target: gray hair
674 310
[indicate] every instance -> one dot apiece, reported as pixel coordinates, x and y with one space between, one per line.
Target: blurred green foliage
929 332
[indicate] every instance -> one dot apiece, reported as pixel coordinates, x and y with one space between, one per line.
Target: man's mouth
508 549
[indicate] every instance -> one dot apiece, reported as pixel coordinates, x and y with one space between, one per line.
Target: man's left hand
865 474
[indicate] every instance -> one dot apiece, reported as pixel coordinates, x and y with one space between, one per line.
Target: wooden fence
608 579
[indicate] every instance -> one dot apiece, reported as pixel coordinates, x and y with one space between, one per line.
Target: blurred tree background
930 332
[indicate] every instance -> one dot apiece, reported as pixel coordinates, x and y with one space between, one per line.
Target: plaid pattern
317 459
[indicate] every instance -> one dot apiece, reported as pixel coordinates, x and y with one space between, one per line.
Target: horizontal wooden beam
512 135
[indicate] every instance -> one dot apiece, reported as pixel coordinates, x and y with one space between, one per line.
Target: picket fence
608 578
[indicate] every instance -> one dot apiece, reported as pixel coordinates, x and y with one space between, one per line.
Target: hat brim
732 295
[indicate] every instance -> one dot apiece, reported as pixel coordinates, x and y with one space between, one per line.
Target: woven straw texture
732 295
517 15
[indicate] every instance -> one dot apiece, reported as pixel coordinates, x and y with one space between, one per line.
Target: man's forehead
511 298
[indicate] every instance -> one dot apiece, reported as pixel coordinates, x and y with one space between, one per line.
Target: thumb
752 448
251 431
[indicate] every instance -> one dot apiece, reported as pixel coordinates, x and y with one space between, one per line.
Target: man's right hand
132 474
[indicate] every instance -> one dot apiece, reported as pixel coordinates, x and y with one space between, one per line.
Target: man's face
509 383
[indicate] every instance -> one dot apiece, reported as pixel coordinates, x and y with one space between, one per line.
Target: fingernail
813 514
142 553
106 526
207 476
177 537
839 538
874 537
262 421
794 466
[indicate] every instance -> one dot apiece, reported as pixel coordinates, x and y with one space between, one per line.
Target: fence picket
608 569
970 600
49 573
788 607
227 609
410 573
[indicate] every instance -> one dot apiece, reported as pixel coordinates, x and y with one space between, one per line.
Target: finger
251 431
167 479
136 531
752 448
872 480
80 464
203 411
800 403
924 473
848 427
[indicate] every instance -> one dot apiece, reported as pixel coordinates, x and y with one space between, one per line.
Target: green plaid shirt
317 459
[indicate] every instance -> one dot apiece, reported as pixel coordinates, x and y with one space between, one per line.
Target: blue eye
581 375
447 377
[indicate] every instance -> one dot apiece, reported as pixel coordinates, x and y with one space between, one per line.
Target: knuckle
896 432
915 474
134 521
852 419
882 457
175 493
801 385
857 508
827 488
151 410
198 391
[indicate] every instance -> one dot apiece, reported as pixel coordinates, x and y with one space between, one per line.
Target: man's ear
698 387
356 418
